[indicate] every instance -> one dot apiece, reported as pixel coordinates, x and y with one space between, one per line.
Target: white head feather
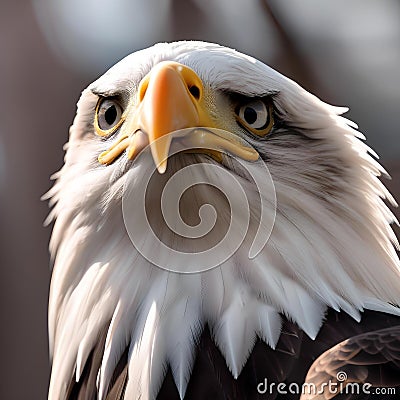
331 245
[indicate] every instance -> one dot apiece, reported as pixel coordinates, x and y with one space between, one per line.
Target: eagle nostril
195 92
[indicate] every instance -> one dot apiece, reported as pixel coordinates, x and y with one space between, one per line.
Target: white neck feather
331 246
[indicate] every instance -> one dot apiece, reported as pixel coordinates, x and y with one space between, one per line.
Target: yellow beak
170 99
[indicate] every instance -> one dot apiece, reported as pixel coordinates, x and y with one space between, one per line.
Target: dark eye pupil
250 115
110 115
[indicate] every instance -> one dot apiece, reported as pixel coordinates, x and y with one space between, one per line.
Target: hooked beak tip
160 150
161 168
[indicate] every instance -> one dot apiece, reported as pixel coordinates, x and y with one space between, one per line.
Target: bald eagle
216 227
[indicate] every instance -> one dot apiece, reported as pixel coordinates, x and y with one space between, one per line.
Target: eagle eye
256 116
108 116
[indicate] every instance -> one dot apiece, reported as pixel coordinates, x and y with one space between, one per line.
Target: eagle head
201 187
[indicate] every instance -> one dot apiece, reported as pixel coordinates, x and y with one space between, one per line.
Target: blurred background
345 51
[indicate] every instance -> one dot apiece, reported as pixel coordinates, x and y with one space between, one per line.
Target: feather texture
331 244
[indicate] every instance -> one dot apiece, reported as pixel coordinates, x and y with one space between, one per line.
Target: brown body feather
379 355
